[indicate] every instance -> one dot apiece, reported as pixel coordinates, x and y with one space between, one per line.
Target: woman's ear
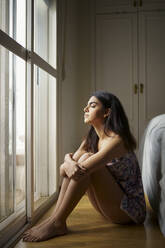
107 112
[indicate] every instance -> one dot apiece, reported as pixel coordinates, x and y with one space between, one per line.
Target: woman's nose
85 109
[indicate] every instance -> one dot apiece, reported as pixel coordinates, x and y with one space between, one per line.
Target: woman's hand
62 170
72 170
68 157
79 173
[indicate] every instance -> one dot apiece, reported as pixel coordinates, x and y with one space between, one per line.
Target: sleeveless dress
127 174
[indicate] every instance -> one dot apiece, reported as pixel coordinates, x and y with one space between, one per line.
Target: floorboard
87 228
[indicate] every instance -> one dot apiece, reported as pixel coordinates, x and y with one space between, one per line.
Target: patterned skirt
127 174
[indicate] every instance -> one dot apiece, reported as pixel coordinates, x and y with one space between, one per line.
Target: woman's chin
86 121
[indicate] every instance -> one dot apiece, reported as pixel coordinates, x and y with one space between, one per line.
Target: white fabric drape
152 162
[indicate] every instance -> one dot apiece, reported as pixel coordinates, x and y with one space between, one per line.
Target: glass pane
13 19
12 134
20 129
45 30
6 134
44 136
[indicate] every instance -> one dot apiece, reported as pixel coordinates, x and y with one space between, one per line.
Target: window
28 111
45 23
12 134
44 135
13 19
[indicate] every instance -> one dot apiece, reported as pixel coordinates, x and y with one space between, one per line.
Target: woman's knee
85 156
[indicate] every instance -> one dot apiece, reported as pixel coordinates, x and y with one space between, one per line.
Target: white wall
75 88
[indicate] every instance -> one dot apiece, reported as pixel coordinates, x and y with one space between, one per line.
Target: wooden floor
87 228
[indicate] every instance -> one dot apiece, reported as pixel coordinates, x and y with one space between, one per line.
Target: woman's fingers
68 157
78 173
72 170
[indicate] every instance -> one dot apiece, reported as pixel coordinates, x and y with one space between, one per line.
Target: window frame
31 58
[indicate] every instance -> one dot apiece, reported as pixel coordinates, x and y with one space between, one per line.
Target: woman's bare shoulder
112 142
109 139
113 139
114 145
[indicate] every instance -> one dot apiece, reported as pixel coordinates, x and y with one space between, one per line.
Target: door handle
134 3
135 89
141 88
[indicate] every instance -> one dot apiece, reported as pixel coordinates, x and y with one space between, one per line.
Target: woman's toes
36 239
28 238
26 234
45 232
25 239
33 239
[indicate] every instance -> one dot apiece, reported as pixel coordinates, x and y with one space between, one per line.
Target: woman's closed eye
93 105
90 105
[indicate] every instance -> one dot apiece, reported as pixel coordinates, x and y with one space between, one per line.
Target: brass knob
135 88
141 88
134 3
140 3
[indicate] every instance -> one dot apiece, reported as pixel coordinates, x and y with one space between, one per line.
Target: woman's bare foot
45 231
41 224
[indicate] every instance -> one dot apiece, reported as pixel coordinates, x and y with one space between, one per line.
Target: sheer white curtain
6 129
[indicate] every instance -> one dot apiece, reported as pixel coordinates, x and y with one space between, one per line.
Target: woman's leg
63 189
91 196
56 225
106 195
102 187
65 184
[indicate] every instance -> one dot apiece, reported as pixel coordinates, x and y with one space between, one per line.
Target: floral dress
127 174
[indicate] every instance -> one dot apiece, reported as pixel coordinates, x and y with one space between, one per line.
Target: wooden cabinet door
151 67
151 4
113 6
110 6
116 61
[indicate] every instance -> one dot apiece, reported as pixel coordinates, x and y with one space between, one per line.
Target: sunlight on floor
88 229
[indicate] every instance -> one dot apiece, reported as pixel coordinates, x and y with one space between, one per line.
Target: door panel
116 61
152 67
109 6
151 4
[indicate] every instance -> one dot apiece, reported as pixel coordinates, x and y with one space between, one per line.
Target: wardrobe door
151 67
110 6
151 4
116 61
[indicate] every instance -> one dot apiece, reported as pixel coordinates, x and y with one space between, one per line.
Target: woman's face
94 112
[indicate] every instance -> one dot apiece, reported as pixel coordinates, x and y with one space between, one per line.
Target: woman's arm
109 150
69 166
79 152
70 157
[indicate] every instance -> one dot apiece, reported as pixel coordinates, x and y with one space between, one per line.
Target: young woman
105 167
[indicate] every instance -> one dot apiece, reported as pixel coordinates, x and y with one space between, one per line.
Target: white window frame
29 56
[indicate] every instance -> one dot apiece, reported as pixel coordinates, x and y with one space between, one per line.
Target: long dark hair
117 122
